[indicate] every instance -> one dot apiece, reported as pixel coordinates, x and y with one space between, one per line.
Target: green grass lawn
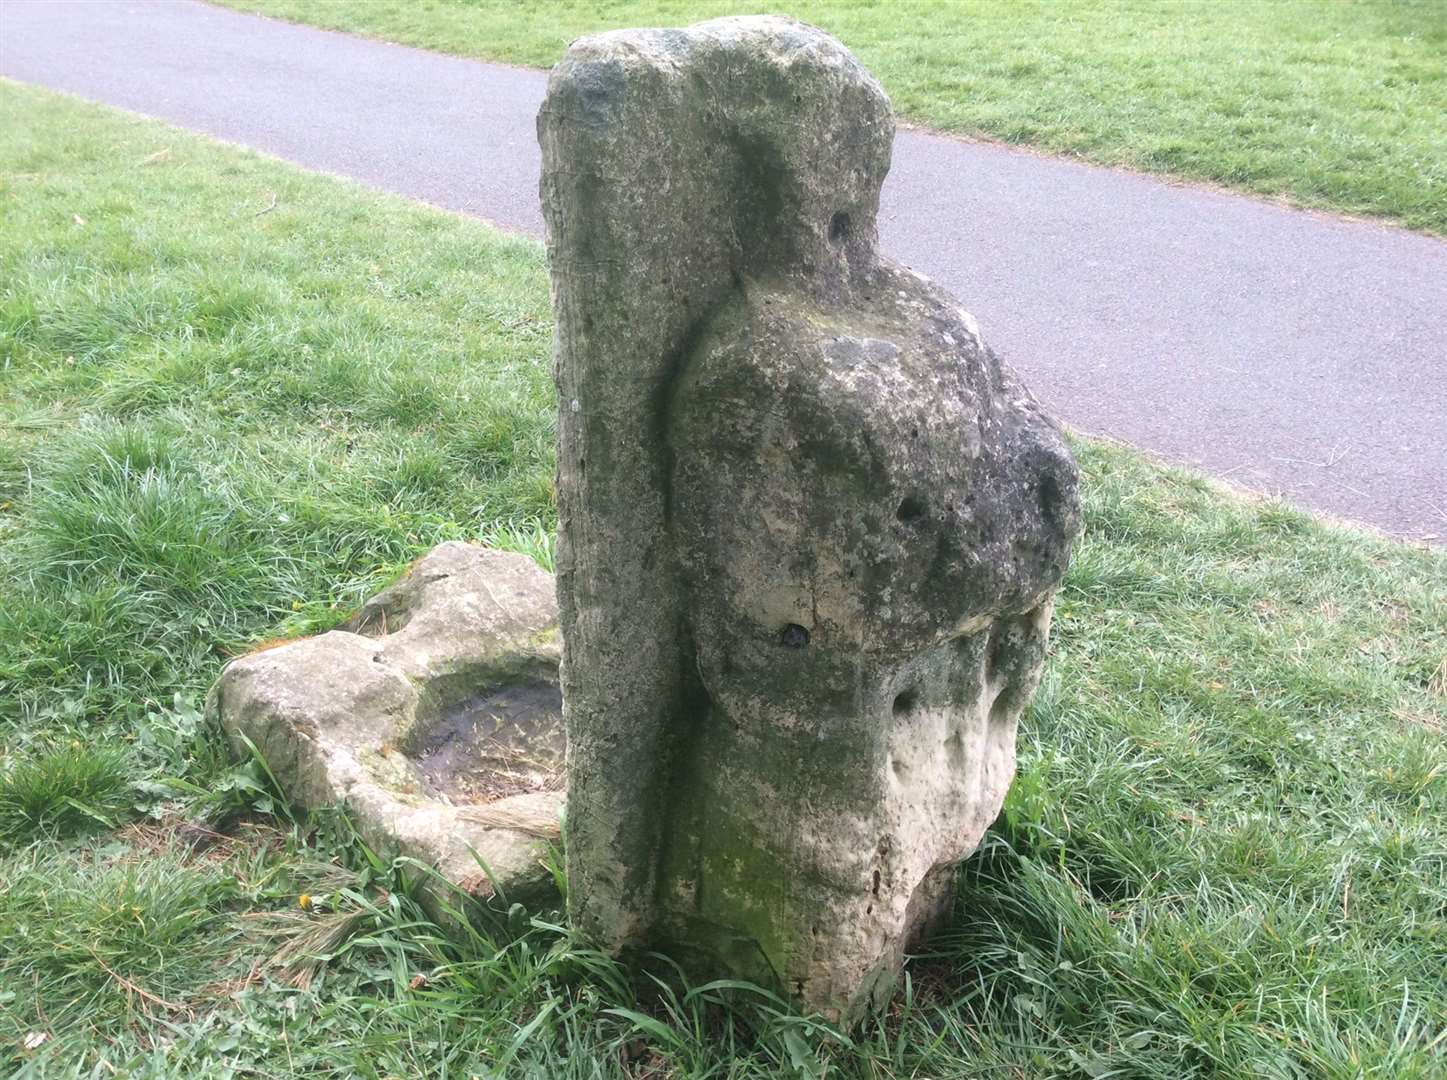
236 397
1328 103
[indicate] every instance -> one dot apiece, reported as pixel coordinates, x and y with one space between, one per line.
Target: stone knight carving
810 526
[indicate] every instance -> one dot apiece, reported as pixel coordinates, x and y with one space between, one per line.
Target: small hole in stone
875 890
794 636
914 433
839 228
1050 497
998 651
1000 709
910 510
904 703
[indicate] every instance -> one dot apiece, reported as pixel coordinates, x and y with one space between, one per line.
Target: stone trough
433 716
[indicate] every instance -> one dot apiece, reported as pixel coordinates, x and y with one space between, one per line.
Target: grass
62 790
1226 854
1334 105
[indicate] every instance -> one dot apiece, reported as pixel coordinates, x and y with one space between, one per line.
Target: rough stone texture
433 716
810 526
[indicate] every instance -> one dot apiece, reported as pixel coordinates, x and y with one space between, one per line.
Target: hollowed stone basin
433 716
505 741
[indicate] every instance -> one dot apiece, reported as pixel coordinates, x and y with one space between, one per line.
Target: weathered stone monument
810 526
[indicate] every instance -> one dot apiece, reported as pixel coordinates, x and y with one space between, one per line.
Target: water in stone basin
505 741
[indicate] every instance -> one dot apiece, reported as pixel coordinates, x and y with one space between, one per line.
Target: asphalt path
1289 352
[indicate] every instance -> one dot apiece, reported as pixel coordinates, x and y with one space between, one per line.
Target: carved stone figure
810 526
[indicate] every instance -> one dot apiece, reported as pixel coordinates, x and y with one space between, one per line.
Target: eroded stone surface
810 526
433 716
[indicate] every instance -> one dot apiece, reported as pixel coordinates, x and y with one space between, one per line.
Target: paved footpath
1286 351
